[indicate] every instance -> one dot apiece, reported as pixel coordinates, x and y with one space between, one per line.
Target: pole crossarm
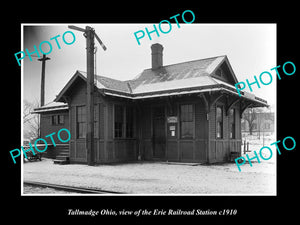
76 28
100 42
85 31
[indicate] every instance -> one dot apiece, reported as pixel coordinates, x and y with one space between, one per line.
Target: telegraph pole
43 78
90 35
43 60
90 45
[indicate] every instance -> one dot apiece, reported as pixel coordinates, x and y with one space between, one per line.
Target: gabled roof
180 71
109 83
181 78
197 73
101 82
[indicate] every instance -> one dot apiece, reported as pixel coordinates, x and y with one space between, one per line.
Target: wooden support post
90 95
206 101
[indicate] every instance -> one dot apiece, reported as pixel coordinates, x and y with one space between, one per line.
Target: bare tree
262 117
250 115
31 125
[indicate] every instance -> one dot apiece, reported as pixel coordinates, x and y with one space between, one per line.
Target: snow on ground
256 143
158 177
28 189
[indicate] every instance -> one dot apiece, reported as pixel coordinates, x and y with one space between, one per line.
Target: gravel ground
159 178
28 189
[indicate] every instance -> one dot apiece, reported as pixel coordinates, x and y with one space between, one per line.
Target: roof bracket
215 100
206 103
244 107
230 105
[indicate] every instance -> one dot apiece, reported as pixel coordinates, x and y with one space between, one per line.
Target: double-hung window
219 122
57 119
123 117
232 123
187 121
81 128
81 121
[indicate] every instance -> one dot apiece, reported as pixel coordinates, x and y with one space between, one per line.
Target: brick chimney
157 56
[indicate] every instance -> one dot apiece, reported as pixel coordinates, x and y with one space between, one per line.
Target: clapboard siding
107 148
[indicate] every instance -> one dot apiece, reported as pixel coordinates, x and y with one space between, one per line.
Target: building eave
44 109
257 102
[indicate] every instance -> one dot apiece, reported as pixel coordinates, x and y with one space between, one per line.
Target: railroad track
70 188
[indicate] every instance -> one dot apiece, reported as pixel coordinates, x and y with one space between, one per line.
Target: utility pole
90 95
90 35
43 79
43 60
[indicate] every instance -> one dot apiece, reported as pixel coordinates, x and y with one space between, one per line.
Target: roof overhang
51 107
256 101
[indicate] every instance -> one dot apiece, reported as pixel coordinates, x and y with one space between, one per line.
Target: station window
219 122
232 123
123 121
81 121
187 121
57 119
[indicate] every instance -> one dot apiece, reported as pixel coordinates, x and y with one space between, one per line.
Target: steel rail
70 188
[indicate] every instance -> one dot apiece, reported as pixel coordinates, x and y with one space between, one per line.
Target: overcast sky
250 48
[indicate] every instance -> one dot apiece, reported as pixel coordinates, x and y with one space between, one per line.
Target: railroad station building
184 112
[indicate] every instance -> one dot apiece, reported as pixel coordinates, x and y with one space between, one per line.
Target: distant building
264 122
185 112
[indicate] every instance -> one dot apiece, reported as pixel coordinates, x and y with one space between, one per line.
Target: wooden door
159 132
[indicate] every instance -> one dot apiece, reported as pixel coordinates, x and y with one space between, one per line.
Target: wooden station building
185 112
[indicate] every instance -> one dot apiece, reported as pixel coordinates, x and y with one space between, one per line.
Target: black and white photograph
130 109
143 113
